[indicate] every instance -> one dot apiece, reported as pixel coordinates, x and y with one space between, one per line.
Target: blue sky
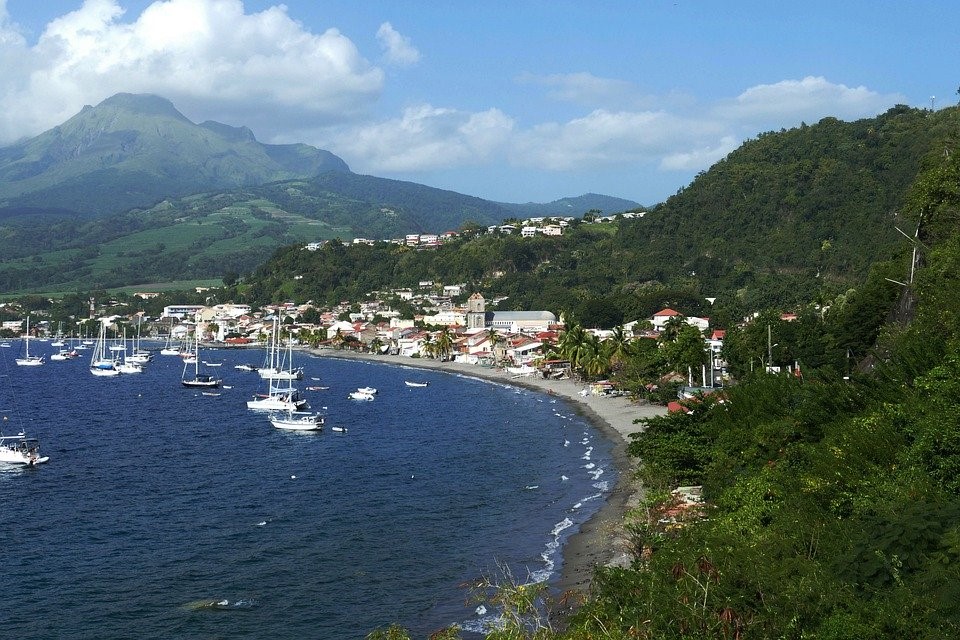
509 101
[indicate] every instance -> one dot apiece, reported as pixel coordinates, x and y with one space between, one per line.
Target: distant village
469 333
528 228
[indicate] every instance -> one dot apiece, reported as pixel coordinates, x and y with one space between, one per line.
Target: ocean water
159 501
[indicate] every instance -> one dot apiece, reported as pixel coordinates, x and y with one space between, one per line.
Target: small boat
245 367
5 345
339 429
415 384
200 380
297 421
20 449
369 390
317 388
361 395
213 394
28 360
213 364
101 365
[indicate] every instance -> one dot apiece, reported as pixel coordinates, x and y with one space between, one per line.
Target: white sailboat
199 380
101 363
170 348
27 360
276 368
127 364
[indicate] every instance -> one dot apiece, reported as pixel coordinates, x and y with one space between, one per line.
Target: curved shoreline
601 540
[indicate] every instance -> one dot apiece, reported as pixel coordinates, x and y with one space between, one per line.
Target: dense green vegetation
832 503
790 218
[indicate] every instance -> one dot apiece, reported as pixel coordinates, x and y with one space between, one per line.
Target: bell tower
476 312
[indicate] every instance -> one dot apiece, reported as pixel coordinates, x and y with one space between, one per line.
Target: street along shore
602 540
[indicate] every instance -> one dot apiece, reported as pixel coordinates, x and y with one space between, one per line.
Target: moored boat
297 421
415 384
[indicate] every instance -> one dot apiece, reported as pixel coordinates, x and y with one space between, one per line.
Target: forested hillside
789 218
831 502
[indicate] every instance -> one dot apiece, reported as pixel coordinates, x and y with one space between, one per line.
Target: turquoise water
159 501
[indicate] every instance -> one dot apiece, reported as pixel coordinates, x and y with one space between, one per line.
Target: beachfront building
181 311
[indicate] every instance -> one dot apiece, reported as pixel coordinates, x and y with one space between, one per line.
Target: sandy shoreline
601 540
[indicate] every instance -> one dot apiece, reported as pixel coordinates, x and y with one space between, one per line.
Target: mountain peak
146 104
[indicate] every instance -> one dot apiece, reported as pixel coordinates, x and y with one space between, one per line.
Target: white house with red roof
660 318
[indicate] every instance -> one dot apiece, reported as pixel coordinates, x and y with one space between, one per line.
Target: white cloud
696 159
396 48
208 55
604 138
789 102
425 138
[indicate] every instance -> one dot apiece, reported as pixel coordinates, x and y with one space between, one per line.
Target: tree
444 344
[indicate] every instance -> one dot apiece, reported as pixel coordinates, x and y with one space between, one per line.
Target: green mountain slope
788 218
134 150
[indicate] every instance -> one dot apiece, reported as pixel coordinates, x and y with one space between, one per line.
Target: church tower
476 312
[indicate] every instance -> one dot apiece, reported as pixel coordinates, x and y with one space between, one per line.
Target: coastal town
524 343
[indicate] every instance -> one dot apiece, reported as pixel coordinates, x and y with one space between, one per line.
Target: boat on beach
20 449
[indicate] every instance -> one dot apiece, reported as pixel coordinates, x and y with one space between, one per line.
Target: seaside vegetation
831 499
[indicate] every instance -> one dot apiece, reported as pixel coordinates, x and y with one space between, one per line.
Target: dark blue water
157 499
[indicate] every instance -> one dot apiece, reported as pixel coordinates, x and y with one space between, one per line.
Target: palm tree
375 345
573 345
444 343
428 348
619 346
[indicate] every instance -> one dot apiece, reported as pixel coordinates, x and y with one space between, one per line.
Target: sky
522 101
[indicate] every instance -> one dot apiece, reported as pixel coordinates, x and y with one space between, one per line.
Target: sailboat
128 364
101 363
28 360
199 380
169 348
279 397
274 367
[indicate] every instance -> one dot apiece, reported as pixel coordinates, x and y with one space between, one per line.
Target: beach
602 540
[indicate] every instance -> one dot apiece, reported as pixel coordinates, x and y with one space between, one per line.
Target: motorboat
361 395
297 421
369 390
20 449
415 384
245 367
